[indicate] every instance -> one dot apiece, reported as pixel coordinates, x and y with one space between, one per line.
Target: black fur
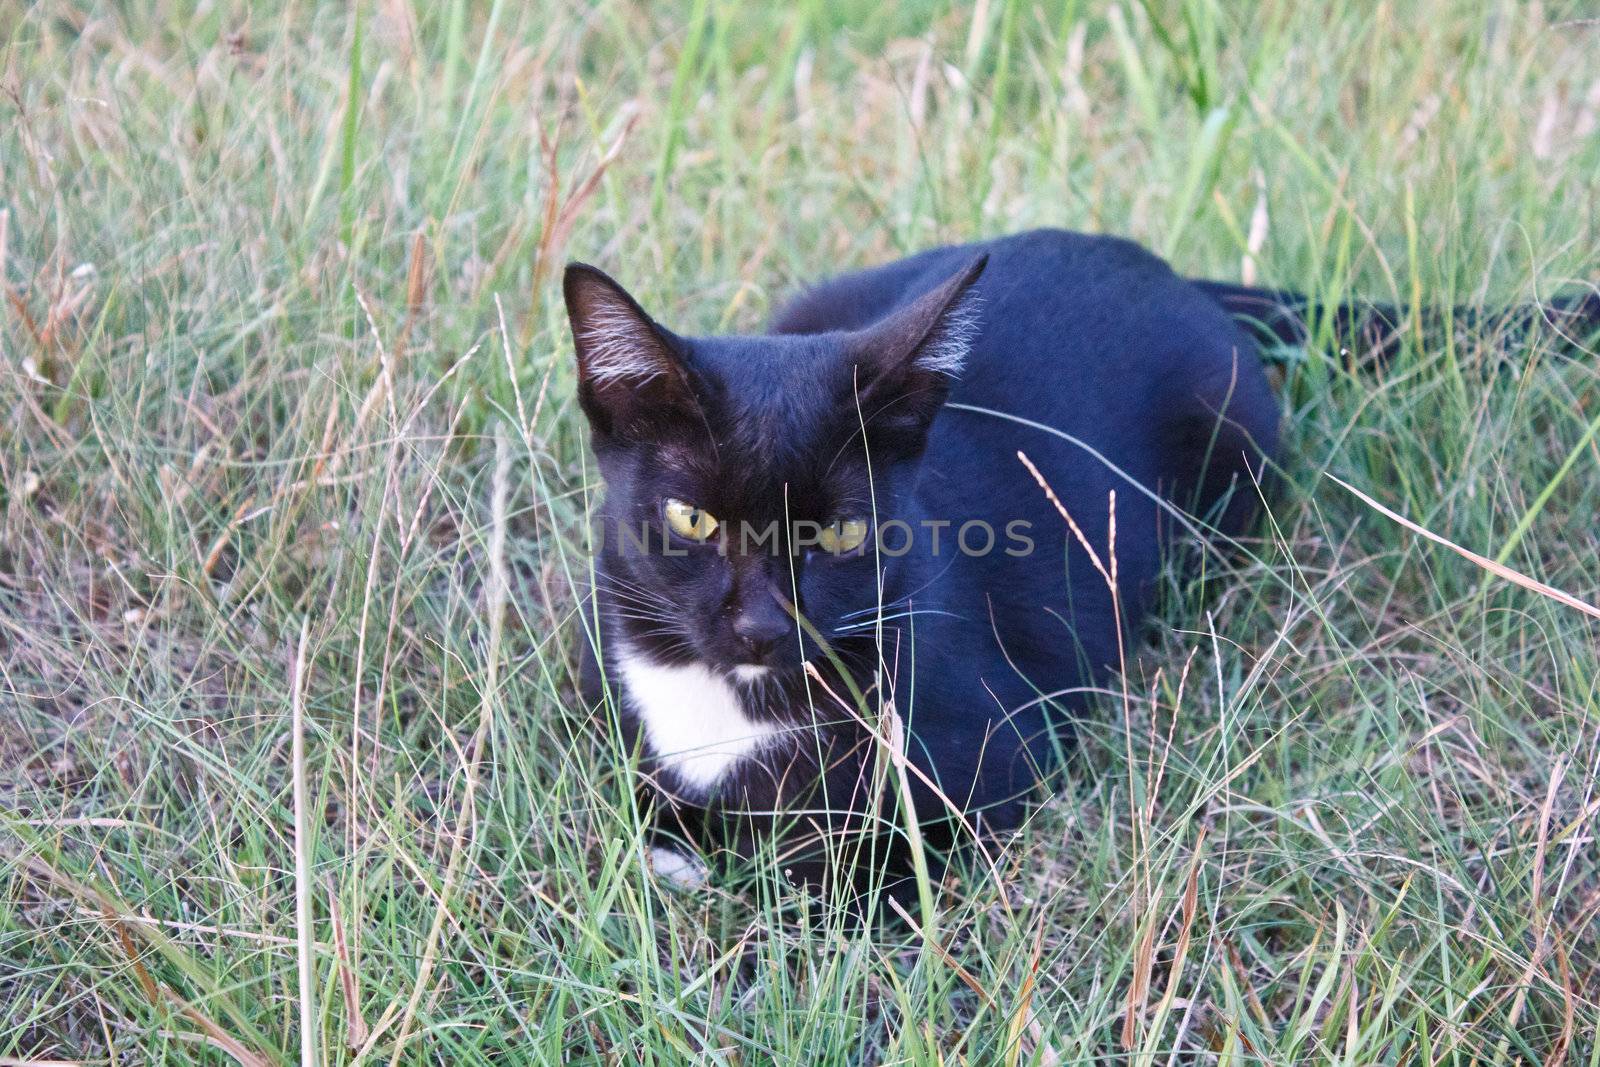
835 412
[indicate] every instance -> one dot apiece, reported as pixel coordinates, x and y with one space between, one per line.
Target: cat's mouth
751 672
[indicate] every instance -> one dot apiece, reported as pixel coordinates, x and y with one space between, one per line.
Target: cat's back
857 299
1077 330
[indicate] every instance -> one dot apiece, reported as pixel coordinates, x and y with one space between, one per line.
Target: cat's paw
679 870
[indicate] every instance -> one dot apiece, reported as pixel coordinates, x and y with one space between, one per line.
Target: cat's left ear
905 363
631 381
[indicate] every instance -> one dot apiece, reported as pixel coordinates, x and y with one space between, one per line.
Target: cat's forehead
774 372
777 417
768 396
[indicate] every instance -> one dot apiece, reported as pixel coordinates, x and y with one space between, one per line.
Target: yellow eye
689 521
845 535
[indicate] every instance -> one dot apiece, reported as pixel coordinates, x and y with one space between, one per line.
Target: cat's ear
905 363
630 379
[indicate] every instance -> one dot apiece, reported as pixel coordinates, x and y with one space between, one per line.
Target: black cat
845 492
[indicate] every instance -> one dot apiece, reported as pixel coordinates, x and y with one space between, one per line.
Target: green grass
255 379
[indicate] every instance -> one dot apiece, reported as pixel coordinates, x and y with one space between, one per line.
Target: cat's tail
1373 331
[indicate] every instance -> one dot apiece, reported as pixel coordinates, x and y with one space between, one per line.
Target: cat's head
747 478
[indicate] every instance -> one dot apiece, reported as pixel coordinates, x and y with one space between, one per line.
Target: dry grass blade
1022 1018
1191 901
1144 953
1499 570
20 309
302 854
560 215
1061 509
349 984
218 1036
416 292
146 983
967 977
573 207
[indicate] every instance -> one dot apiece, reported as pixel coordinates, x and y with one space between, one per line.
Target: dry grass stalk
1499 570
560 216
302 854
349 982
1144 878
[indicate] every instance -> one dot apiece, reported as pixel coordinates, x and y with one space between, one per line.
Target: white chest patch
692 719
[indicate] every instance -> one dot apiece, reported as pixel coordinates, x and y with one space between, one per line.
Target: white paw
677 869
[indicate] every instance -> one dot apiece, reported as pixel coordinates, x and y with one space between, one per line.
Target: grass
283 355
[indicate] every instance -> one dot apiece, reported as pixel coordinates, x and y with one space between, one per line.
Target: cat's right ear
630 379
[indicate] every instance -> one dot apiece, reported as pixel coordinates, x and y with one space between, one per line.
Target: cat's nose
760 628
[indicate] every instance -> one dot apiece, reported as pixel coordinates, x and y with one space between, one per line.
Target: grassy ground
285 372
